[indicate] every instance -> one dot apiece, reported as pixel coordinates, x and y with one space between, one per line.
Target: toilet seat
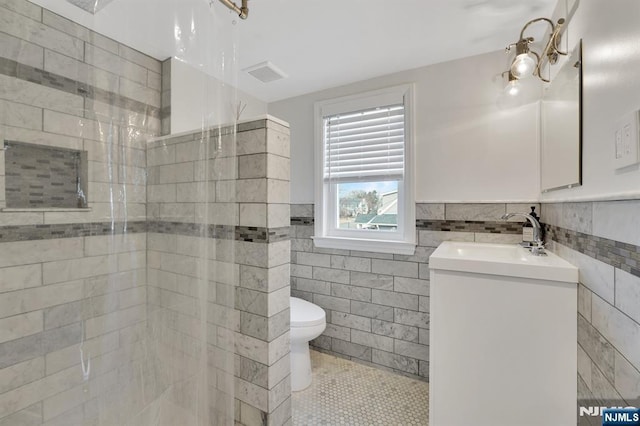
306 314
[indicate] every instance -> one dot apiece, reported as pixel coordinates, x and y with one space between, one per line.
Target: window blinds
363 146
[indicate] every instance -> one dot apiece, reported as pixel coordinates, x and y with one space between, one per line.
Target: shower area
144 220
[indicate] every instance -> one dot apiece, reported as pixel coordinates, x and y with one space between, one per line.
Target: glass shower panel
118 310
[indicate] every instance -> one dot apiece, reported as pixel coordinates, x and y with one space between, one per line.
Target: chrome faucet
537 248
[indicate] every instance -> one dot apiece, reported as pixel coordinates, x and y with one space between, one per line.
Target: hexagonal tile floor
347 393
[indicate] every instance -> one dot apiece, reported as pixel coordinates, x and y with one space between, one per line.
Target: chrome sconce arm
524 64
242 11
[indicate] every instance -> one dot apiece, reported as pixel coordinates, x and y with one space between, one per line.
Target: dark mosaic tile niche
44 177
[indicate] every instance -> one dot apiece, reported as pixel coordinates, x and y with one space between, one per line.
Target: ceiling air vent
266 72
91 6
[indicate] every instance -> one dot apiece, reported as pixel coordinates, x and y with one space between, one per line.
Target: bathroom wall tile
435 238
39 96
18 326
30 10
596 346
278 301
30 416
379 281
617 220
13 254
584 366
19 115
312 286
20 374
314 259
412 350
301 210
139 91
474 212
251 301
68 270
79 71
66 26
395 361
331 275
278 143
20 277
252 166
584 302
617 328
498 238
372 311
352 321
21 27
408 317
627 295
398 300
360 264
139 58
15 49
253 214
278 191
411 286
278 215
113 63
253 395
158 156
403 269
551 214
395 330
251 371
332 303
351 349
338 332
577 217
350 292
430 211
372 340
594 274
627 379
522 208
301 271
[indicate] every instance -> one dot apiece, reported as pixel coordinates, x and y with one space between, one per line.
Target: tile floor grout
344 392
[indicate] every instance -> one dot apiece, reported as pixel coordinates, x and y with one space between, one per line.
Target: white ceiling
318 43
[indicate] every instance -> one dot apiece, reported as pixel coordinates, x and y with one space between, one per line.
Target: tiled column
263 387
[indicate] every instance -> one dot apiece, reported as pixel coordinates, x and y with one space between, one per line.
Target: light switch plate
626 139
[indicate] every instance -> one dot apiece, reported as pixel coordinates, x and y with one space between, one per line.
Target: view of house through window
368 205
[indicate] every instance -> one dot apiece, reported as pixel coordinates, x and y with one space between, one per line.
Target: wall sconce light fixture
528 62
513 85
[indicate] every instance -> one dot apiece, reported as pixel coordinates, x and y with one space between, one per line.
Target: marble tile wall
56 296
219 231
603 240
378 304
71 279
62 85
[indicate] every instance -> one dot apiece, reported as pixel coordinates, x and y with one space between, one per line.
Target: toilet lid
305 314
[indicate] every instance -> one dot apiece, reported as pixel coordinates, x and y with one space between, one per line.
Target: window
364 176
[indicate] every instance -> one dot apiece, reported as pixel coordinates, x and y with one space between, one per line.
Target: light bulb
512 88
523 66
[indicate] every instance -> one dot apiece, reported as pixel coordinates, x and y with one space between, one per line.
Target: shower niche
44 177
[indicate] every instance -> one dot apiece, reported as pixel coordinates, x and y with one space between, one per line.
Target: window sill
44 209
375 246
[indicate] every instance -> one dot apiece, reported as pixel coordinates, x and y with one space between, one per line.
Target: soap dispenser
527 228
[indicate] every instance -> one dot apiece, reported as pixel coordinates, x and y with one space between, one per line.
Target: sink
503 336
501 259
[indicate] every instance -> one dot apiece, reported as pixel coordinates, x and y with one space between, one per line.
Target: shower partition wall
161 297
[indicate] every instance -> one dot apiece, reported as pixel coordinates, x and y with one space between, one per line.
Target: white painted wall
472 144
611 64
200 100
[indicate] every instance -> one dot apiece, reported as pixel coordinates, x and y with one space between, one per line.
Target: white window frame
327 234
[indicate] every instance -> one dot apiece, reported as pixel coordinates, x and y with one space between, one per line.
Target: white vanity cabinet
502 338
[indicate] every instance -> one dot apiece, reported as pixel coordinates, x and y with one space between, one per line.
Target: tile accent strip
448 225
615 253
73 230
10 234
34 75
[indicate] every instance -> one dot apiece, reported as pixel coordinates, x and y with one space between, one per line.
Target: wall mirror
561 127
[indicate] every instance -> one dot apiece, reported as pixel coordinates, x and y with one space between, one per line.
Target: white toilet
308 321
